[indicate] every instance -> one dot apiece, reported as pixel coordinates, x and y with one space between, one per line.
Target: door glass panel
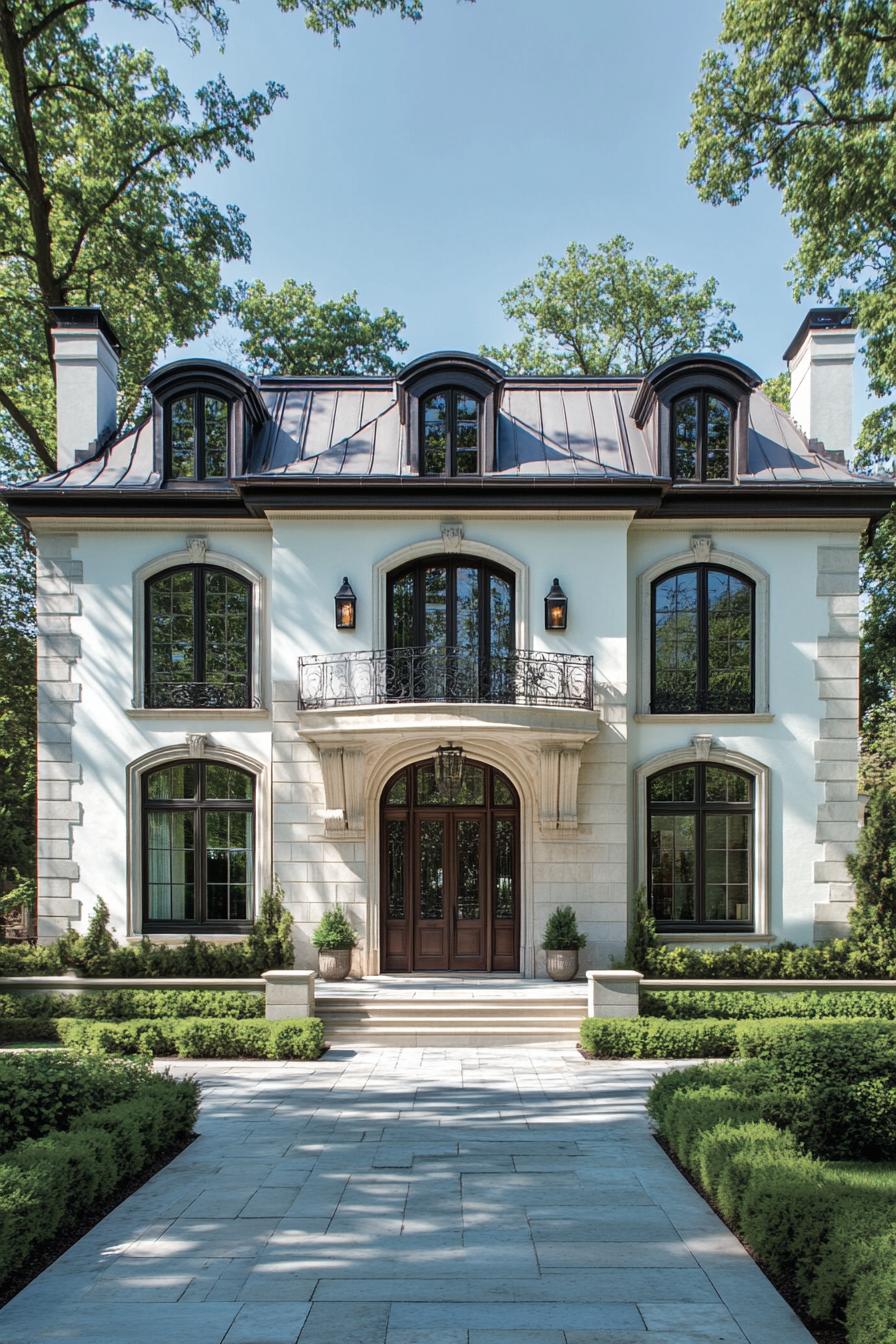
465 671
432 840
171 633
727 844
403 612
501 672
396 832
228 864
503 794
467 859
227 636
398 794
729 638
471 791
504 847
432 672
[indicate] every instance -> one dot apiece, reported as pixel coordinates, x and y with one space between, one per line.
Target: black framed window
703 654
198 846
701 826
702 425
197 437
198 639
450 433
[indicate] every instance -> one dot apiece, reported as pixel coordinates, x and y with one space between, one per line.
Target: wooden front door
450 873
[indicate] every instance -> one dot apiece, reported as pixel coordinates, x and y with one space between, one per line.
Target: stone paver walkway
411 1197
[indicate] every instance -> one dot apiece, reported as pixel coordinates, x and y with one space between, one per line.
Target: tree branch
29 429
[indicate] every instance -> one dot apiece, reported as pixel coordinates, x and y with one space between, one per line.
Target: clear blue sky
430 165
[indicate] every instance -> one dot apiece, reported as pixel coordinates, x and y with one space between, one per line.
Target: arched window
700 870
701 438
198 844
702 658
198 639
197 438
449 433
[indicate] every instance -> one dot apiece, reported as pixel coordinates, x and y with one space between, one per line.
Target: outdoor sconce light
345 606
448 769
555 608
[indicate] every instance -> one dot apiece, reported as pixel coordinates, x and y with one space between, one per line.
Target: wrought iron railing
396 676
198 695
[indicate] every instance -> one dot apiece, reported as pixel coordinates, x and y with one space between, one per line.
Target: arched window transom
197 437
701 825
703 642
198 839
198 639
450 433
701 438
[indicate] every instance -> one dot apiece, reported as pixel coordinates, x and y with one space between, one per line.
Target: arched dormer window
205 417
198 639
197 437
448 403
702 437
702 652
449 433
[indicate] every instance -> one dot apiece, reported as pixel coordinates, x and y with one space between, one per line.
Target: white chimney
86 351
820 358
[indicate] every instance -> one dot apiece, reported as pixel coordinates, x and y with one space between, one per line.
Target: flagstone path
411 1197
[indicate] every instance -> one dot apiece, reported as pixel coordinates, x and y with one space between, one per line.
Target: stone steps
453 1020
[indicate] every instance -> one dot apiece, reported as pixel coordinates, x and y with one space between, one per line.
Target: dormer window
450 433
197 438
701 438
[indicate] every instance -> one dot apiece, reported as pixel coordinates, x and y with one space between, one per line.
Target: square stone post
613 993
288 994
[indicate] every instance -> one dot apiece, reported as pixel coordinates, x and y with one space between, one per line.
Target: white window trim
697 751
262 871
201 555
702 552
460 544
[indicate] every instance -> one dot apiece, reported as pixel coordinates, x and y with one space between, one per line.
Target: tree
876 452
803 93
607 312
873 871
287 331
777 389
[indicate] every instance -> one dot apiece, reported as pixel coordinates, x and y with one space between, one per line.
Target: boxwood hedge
197 1037
117 1005
680 1004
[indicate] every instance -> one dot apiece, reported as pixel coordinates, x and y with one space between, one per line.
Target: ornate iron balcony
453 675
198 695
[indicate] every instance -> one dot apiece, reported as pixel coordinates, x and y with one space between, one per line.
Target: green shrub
655 1038
44 1091
821 1052
197 1037
680 1004
840 959
18 1030
334 931
561 932
642 938
49 1185
117 1005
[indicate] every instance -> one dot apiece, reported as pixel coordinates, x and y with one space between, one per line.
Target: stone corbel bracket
558 779
343 775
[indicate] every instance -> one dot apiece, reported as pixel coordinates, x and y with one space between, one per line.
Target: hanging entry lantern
345 606
449 769
555 608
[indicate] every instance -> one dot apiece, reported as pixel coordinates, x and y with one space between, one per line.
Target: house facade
449 649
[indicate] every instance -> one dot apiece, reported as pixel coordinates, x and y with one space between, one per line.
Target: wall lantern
555 608
345 606
448 769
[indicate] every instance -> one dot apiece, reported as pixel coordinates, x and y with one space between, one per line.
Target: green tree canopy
286 330
876 453
604 311
803 93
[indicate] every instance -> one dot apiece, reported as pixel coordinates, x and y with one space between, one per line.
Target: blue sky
429 166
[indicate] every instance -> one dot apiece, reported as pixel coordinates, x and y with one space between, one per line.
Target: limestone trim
58 694
197 551
211 751
701 749
837 748
702 551
459 544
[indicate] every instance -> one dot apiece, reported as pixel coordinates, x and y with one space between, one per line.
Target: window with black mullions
197 437
703 642
198 639
700 870
198 845
701 438
450 433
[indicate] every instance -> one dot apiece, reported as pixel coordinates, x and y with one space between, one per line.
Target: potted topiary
334 939
561 943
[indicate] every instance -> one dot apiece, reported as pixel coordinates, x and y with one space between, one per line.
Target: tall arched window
701 438
198 639
700 871
197 438
449 433
198 844
702 658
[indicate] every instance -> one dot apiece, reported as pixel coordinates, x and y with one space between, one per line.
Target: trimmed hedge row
682 1004
19 1030
49 1185
839 959
829 1230
197 1037
119 1005
657 1038
48 1091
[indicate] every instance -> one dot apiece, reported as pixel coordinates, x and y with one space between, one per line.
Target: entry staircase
450 1010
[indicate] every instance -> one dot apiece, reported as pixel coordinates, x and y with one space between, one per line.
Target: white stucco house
589 634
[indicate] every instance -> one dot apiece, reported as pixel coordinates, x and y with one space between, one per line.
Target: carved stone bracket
701 545
343 776
702 745
196 744
558 776
452 536
196 549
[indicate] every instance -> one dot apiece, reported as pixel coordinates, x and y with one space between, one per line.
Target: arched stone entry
450 884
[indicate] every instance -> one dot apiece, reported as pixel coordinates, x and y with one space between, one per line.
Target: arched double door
450 872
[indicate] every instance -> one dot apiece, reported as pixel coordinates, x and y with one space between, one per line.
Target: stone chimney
86 352
820 358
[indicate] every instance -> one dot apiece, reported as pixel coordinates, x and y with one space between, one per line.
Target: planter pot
562 964
334 963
